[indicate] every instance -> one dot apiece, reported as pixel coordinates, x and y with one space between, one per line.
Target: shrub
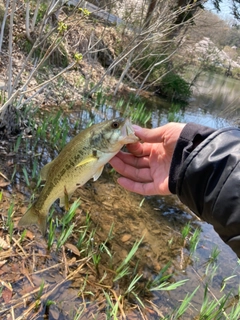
174 87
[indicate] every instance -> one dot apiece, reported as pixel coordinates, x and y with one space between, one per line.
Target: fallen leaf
3 244
4 184
30 235
6 295
126 237
72 248
54 312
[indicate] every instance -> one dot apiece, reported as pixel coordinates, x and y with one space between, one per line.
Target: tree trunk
150 11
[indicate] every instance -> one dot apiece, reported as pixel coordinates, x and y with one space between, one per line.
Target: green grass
123 268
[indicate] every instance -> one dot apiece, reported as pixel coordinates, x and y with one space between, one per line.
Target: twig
12 313
119 303
26 274
65 262
35 16
143 316
19 246
33 260
10 47
20 301
155 308
3 24
27 21
1 174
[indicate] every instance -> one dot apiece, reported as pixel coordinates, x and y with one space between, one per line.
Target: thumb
150 135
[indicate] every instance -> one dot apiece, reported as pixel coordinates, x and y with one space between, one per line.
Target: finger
146 189
160 134
132 160
140 149
130 172
150 135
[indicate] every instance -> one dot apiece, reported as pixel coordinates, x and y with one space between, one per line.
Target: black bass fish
81 159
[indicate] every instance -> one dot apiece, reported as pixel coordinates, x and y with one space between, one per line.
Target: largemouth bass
81 159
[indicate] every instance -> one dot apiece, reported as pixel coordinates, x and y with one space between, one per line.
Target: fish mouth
128 132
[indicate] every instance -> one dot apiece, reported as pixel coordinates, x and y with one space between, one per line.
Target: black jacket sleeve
205 174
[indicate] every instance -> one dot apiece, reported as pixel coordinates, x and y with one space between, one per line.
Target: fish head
113 134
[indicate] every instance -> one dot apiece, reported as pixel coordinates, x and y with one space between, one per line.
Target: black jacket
205 174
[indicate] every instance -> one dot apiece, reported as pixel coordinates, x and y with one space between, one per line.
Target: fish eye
115 125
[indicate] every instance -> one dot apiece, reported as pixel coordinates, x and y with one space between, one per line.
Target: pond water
78 290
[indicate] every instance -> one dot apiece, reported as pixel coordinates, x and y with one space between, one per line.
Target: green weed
69 216
135 109
9 222
51 235
112 309
66 233
186 231
212 260
123 269
25 173
161 282
174 113
17 144
40 291
14 173
23 235
184 305
194 240
212 309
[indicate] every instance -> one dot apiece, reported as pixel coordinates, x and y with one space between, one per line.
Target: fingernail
136 128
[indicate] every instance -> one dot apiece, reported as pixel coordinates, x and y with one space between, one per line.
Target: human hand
145 169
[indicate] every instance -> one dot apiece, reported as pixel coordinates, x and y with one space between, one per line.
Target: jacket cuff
191 136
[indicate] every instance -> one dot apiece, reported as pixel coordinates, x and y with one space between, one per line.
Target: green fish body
80 160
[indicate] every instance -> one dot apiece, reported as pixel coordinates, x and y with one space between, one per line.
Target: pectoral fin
86 160
98 173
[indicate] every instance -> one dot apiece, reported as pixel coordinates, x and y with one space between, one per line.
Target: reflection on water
218 97
215 103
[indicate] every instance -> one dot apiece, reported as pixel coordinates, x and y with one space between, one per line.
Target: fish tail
32 216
